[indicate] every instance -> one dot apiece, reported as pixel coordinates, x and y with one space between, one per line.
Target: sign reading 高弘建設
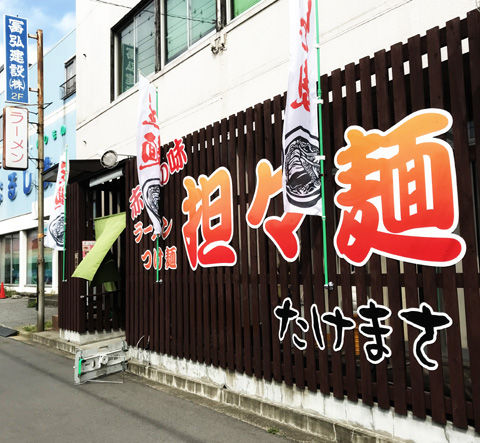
16 59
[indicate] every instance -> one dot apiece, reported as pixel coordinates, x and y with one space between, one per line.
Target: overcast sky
55 17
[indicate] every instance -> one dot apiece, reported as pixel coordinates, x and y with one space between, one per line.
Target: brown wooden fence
83 308
224 316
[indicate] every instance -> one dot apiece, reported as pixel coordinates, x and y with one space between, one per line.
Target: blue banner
16 59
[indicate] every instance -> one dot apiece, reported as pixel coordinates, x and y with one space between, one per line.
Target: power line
212 22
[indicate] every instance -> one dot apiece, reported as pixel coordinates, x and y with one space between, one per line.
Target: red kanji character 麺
213 217
399 193
171 257
281 230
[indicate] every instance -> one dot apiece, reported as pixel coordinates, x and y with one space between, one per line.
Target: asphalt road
40 403
15 313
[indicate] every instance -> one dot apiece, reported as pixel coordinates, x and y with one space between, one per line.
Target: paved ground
15 313
40 403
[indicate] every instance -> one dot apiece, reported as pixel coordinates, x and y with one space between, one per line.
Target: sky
55 17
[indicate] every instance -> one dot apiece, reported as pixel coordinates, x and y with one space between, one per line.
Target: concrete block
295 419
211 392
230 398
250 404
320 427
273 412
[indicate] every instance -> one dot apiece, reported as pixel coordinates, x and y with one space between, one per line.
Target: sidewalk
14 313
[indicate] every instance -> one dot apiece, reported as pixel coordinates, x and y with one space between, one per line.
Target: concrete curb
320 428
248 409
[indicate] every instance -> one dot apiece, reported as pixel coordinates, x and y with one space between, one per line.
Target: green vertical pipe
158 255
320 137
65 215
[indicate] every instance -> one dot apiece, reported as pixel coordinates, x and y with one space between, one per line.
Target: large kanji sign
16 59
398 193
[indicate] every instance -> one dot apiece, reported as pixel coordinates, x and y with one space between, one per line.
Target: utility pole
40 233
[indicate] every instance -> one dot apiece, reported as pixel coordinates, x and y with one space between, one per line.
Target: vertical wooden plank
253 284
271 149
467 229
473 26
229 326
397 338
264 296
170 274
198 282
345 268
183 262
220 272
318 259
393 284
360 272
211 271
333 143
189 290
236 321
286 346
204 272
246 360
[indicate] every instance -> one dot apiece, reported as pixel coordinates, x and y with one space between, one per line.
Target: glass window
32 254
11 266
69 86
137 47
186 22
239 6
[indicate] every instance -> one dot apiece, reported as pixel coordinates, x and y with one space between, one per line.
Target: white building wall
199 87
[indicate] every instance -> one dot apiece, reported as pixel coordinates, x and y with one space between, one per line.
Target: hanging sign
301 152
16 59
15 139
398 193
148 153
56 225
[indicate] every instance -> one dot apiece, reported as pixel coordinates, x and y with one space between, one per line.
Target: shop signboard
16 59
15 140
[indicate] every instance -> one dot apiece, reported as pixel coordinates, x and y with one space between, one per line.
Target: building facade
19 190
221 69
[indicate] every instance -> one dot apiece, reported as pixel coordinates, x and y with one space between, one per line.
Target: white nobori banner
56 225
301 155
148 153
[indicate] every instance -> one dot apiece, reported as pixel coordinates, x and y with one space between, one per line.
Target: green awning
107 230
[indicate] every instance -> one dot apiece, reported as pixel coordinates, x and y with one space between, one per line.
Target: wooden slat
243 252
237 215
473 23
229 325
347 305
383 116
417 94
264 296
222 356
191 276
397 339
253 283
466 217
333 141
360 272
211 271
272 149
204 272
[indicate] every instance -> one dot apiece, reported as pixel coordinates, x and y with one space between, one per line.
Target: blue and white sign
16 59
